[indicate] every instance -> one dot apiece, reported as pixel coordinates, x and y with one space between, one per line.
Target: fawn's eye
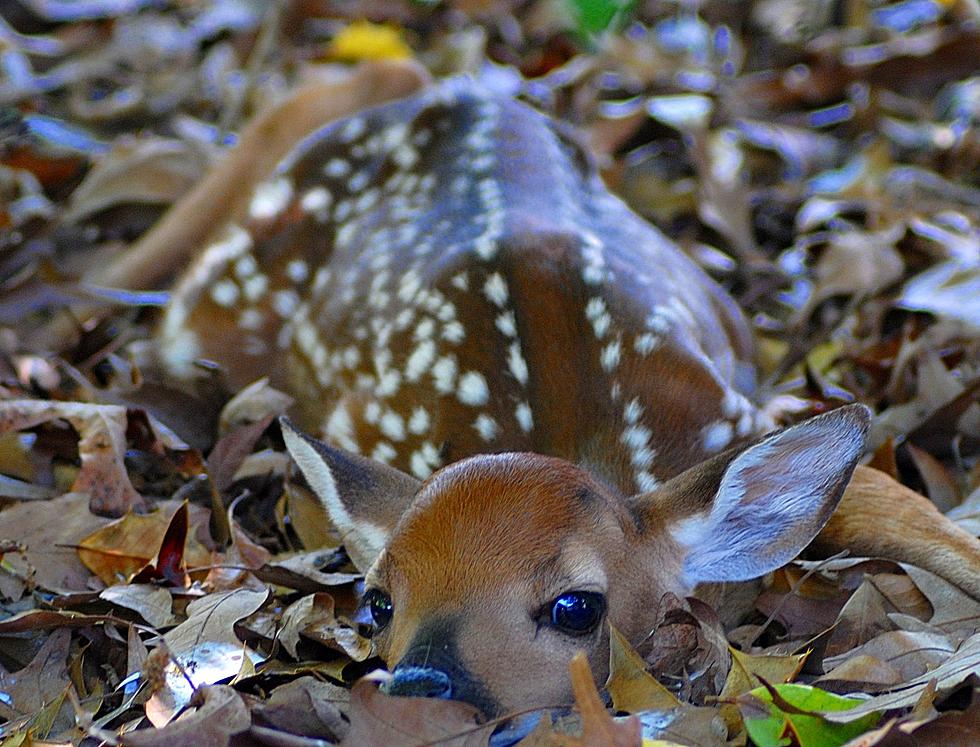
577 612
380 605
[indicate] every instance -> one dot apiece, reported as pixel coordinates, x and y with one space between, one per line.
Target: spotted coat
447 275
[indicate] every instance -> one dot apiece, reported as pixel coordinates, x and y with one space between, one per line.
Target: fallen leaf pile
164 581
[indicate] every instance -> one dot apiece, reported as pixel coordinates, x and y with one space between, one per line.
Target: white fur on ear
774 498
363 539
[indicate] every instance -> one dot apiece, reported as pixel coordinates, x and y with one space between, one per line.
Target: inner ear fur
748 511
363 498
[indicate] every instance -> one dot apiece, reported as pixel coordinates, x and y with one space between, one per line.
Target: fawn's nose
420 682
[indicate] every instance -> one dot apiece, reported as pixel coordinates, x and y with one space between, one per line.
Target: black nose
420 682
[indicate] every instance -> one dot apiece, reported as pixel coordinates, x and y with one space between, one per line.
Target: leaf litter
162 580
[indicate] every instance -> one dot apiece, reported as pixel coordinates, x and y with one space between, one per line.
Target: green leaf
593 17
778 715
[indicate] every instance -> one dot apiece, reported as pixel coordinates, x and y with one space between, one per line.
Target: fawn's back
447 275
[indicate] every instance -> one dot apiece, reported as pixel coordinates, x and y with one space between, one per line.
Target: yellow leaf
745 667
363 40
631 687
118 550
742 678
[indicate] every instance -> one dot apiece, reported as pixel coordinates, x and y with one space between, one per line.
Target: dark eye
380 605
577 612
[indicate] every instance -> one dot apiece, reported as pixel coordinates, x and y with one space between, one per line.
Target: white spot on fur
507 324
352 129
358 181
270 198
635 437
486 426
255 287
340 429
516 363
444 374
495 289
317 201
392 425
250 319
336 168
716 436
424 460
598 316
285 303
225 293
609 358
420 360
383 452
646 482
632 411
472 389
425 329
485 246
645 343
453 332
524 417
419 422
297 270
245 267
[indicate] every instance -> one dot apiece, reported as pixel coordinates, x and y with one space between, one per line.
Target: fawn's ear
743 514
363 498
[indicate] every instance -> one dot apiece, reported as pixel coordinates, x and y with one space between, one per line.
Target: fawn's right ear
363 498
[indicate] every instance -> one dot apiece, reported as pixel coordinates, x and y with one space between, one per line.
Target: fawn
537 406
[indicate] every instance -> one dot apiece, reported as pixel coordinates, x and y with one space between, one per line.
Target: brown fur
489 541
881 517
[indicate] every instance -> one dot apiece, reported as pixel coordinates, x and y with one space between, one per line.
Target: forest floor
821 160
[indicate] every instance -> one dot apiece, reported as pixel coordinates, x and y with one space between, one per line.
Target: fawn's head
485 579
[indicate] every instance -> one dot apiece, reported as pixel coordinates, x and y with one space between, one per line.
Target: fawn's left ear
743 514
363 498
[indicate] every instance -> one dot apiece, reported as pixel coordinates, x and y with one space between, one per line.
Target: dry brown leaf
45 678
50 551
940 485
631 687
212 618
220 714
229 453
863 616
953 671
862 672
101 448
120 549
598 727
856 262
952 608
911 654
302 572
313 616
153 603
903 594
256 402
307 707
748 668
744 675
151 170
967 514
376 718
